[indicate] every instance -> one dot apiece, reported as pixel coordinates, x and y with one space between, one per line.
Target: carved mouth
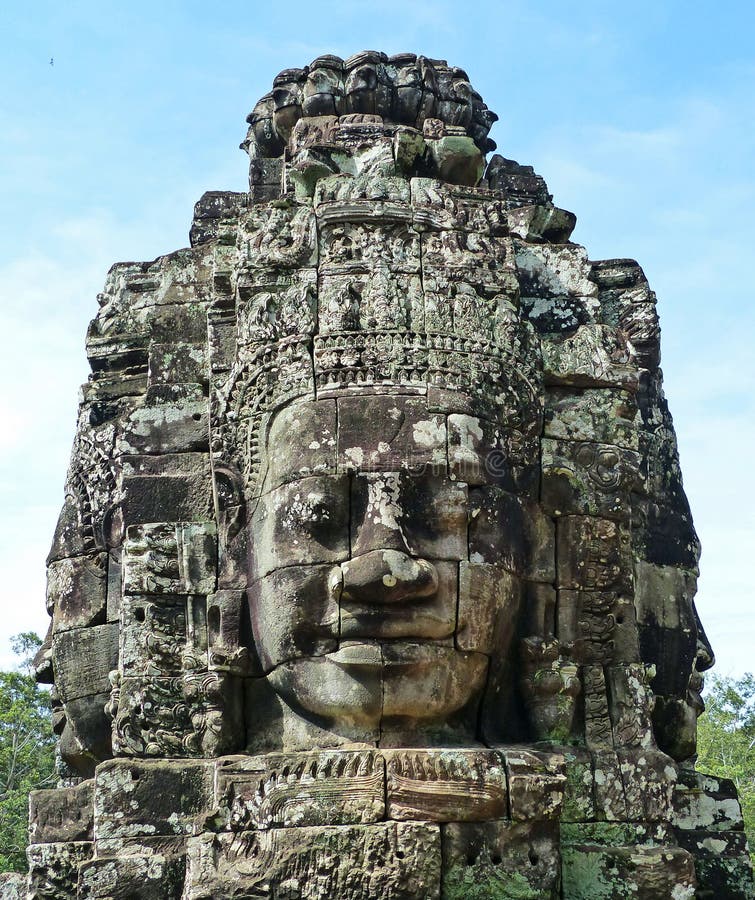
412 622
390 654
694 692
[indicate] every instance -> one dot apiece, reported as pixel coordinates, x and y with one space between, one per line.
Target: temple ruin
374 578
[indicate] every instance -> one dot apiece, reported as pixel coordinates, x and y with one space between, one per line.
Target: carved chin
364 683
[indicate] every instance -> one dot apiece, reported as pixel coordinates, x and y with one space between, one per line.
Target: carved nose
705 658
387 576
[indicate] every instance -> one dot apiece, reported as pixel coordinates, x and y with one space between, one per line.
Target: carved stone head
383 457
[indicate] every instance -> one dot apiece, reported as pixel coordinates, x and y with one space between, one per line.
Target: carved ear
228 496
112 528
227 487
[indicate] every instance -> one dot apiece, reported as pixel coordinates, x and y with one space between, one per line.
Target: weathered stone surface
170 558
592 871
588 479
501 859
168 487
377 485
301 789
134 798
708 824
593 554
159 876
77 592
602 415
12 886
62 814
536 784
706 803
54 869
286 629
489 600
302 522
446 785
199 714
83 659
393 859
593 356
512 533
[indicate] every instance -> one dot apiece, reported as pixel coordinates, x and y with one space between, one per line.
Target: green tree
726 740
27 750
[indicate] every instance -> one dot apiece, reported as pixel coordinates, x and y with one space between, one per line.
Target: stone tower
375 574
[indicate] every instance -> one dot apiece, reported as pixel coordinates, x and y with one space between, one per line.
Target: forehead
378 433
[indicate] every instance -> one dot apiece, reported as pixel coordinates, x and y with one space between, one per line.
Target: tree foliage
726 739
27 750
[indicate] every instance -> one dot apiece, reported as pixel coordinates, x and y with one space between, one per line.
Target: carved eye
309 512
319 511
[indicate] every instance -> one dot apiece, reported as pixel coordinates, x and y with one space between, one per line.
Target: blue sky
640 117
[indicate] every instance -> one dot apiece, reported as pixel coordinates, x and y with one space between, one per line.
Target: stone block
390 433
294 612
387 594
13 886
86 736
541 223
229 633
284 790
722 863
54 869
422 515
167 487
593 554
439 205
162 635
61 814
181 426
501 859
603 415
77 591
592 356
170 558
663 595
69 539
293 458
599 626
82 659
579 790
588 479
350 247
159 876
537 782
626 873
306 522
513 533
352 862
445 785
649 777
483 452
178 363
114 584
273 725
549 271
199 714
706 803
630 705
425 683
145 798
610 802
159 845
489 602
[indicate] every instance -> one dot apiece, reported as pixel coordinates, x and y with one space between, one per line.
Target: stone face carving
375 575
